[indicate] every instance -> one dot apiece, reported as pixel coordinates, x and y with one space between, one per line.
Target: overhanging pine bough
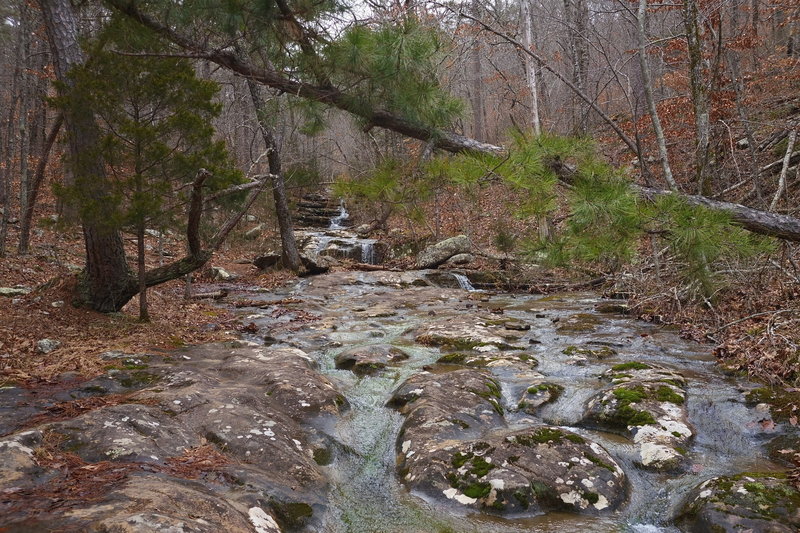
754 220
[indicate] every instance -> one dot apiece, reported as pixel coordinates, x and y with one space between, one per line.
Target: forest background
569 119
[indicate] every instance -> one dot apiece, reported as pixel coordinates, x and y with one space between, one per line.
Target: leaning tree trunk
289 254
761 222
106 279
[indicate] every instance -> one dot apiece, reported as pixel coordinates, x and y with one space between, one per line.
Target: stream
358 309
399 402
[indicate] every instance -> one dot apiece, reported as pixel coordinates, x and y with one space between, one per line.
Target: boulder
470 332
461 259
365 360
438 253
460 452
47 345
646 403
744 502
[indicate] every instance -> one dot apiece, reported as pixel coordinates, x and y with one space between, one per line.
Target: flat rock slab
647 404
745 502
454 446
469 332
365 360
254 407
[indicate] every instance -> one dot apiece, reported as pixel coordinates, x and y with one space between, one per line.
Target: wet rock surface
397 402
458 451
646 403
745 502
370 359
245 410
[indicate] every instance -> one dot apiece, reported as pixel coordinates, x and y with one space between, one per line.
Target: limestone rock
364 360
438 253
460 452
47 345
647 404
461 259
469 332
744 502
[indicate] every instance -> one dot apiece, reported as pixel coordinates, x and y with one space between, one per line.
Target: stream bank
382 401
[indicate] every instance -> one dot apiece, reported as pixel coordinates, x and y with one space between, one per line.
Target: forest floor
750 326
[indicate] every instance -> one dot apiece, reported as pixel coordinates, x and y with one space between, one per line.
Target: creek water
357 309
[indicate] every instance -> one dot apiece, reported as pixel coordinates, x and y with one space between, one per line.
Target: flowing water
358 309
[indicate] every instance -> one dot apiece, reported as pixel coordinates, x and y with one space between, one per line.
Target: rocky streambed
381 401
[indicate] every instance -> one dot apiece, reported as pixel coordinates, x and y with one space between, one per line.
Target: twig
764 313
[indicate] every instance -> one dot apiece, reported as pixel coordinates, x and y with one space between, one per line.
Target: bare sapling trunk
647 82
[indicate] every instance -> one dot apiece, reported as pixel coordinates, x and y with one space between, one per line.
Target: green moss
554 389
459 459
453 359
591 497
540 436
599 462
323 456
633 417
783 404
494 388
665 393
292 515
477 490
522 499
631 365
630 395
480 467
572 437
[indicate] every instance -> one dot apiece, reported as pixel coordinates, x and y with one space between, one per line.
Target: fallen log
754 220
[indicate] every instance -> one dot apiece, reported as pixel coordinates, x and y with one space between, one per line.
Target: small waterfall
336 222
368 252
463 282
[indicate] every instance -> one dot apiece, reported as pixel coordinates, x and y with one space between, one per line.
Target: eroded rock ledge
455 447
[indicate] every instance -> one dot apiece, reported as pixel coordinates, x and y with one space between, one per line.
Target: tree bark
530 66
761 222
644 65
289 254
702 124
478 111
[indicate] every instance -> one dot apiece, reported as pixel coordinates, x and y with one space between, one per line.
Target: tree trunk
576 15
644 65
702 125
761 222
530 66
478 111
106 278
289 256
38 178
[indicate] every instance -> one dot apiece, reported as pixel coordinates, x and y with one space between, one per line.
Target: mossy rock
578 323
783 404
537 395
763 502
602 352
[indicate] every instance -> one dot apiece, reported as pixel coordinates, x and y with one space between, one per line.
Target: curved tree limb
754 220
